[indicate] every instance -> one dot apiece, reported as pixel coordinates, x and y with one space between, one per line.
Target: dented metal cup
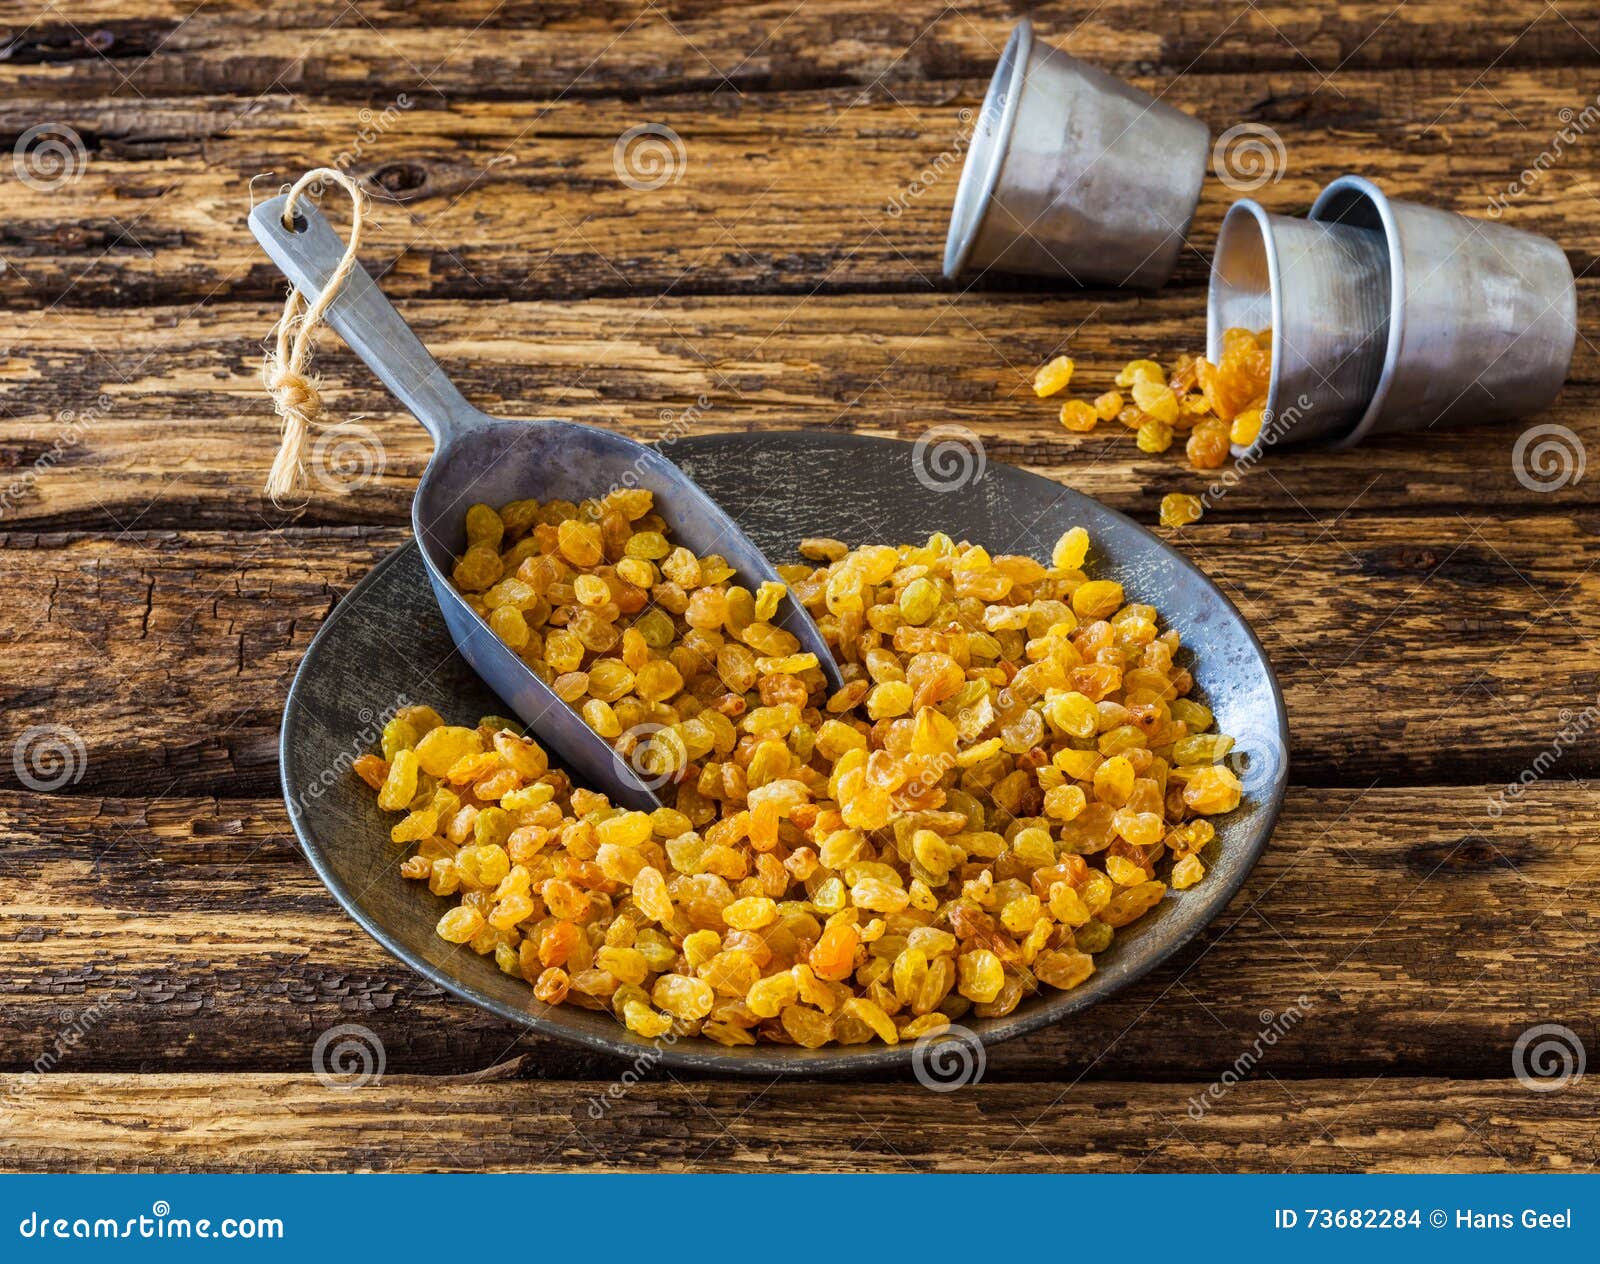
1073 173
1321 289
1482 318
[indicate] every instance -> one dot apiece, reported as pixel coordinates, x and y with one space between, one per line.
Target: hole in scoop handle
308 254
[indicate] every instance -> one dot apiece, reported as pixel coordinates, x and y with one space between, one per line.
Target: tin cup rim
1214 327
981 173
1374 197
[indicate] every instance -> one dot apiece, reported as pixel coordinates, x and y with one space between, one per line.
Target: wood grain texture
1438 649
155 418
834 190
1432 619
108 1123
1407 931
479 48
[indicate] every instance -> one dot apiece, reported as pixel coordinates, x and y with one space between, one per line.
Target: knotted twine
284 370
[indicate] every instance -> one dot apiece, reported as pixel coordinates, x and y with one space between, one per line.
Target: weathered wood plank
1410 649
157 418
795 193
1398 931
484 49
202 1123
1431 620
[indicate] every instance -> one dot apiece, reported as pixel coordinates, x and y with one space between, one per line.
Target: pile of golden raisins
1216 405
1012 772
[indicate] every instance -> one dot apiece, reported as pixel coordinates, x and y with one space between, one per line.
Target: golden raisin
1079 417
1053 377
1179 509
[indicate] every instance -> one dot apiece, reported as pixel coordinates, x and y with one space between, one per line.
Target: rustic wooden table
168 958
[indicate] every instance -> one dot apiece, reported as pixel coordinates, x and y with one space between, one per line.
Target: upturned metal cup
1482 318
1323 291
1073 173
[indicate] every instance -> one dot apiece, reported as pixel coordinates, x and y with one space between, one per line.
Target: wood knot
398 179
1471 853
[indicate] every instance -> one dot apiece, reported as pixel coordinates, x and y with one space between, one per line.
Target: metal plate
385 645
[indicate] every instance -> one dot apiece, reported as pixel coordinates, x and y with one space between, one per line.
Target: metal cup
1322 290
1074 173
1482 317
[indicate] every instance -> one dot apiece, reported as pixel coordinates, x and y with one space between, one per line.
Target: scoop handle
308 254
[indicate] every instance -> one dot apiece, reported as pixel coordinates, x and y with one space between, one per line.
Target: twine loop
284 372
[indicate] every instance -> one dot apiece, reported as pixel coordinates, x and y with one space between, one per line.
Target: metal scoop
479 458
